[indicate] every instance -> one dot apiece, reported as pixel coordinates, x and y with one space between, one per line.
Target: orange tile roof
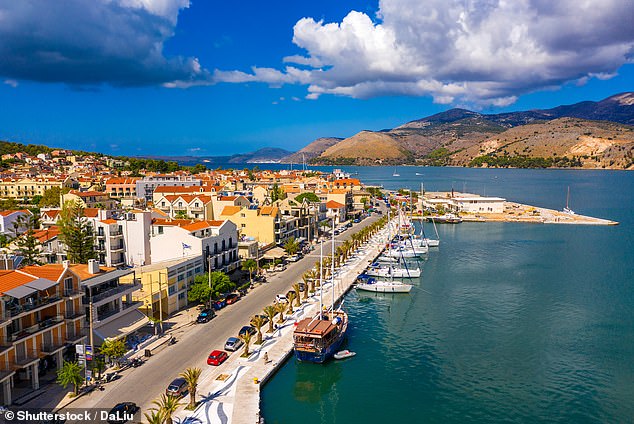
230 210
82 271
91 212
46 235
268 210
12 279
7 213
338 191
227 198
87 193
178 189
109 221
331 204
49 271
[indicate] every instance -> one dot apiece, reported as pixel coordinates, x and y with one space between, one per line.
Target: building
145 186
14 222
264 224
220 202
165 284
115 313
121 187
90 199
462 202
28 187
336 210
196 206
41 320
216 241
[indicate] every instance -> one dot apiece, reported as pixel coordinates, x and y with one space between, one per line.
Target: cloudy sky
213 78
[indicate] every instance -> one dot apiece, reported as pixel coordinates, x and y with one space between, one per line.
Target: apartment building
121 187
90 199
115 313
196 206
41 320
220 202
10 221
165 284
216 241
122 238
145 186
20 188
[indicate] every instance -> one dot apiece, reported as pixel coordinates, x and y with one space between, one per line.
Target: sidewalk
231 393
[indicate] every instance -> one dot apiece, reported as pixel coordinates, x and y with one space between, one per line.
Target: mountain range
586 134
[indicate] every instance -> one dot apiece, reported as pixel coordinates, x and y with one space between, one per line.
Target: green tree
199 292
249 265
166 406
220 283
298 293
291 246
76 233
70 373
191 376
181 215
113 348
246 338
291 298
154 417
51 197
281 308
258 322
26 243
308 196
277 193
270 311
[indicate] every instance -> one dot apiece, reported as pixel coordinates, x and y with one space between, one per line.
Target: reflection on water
313 382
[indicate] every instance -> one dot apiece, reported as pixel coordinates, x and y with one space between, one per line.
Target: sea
509 322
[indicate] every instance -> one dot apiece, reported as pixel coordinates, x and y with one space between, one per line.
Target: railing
22 359
110 292
50 348
116 248
5 369
103 315
130 305
70 315
32 306
75 336
118 261
43 325
116 233
72 292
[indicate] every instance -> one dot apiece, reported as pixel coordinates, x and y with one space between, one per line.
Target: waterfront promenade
233 396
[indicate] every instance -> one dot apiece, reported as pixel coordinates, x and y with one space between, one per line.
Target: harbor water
508 323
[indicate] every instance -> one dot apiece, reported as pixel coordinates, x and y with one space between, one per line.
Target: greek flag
186 246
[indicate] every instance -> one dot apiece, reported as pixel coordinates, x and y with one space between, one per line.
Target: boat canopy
314 327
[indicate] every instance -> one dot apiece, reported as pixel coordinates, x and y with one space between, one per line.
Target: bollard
255 380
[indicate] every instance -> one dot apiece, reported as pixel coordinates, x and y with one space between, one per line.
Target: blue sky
174 77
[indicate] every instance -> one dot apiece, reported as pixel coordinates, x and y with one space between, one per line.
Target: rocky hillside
574 135
314 149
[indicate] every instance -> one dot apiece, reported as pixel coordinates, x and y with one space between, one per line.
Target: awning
275 253
20 291
41 284
122 326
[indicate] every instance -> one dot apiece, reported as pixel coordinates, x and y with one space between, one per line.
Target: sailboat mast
321 279
332 266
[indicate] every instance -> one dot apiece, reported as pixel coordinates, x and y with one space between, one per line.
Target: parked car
177 388
232 298
281 298
279 267
217 357
294 258
233 344
356 220
205 316
121 411
247 329
219 304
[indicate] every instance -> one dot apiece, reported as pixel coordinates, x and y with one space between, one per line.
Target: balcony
76 336
34 329
73 315
5 370
118 261
120 289
25 358
117 248
116 233
52 347
72 293
34 305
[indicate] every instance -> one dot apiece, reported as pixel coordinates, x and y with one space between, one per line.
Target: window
243 225
160 230
68 286
181 277
171 289
181 296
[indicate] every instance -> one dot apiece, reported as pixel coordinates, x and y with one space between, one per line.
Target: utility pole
209 277
90 326
160 304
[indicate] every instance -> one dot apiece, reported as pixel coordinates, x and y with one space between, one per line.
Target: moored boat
382 286
319 338
343 354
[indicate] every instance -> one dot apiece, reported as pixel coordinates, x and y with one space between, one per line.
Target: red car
217 357
232 298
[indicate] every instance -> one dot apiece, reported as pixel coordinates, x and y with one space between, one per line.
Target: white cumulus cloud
474 51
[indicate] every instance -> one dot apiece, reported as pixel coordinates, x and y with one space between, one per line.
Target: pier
235 395
474 208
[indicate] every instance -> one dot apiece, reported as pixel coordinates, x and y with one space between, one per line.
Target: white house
217 241
8 221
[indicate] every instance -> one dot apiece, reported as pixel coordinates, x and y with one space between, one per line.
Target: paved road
144 384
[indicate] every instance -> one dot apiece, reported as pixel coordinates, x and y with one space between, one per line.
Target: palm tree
297 294
311 276
291 297
246 338
191 376
305 295
154 417
249 265
270 311
257 322
70 373
166 406
280 309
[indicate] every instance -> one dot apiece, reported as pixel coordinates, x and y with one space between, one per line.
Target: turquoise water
510 322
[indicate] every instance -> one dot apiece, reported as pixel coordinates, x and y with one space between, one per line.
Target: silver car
233 344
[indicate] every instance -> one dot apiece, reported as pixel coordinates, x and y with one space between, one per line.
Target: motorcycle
171 341
136 362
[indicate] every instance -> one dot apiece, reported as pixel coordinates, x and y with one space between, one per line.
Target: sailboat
396 174
317 339
567 208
